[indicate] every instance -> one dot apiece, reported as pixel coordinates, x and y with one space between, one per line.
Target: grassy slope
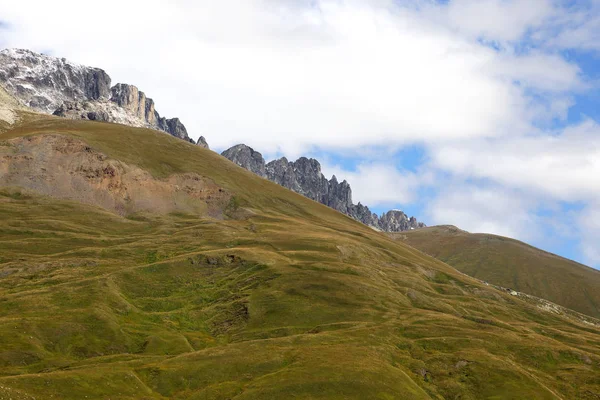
296 301
513 264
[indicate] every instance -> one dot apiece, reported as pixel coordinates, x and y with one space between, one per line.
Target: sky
484 114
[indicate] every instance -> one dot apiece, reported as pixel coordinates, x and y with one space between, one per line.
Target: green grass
512 264
283 298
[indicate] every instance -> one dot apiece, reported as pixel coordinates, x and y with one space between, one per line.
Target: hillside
512 264
137 265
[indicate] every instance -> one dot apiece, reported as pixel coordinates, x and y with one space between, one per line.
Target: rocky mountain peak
397 221
202 142
43 82
132 99
173 126
246 157
57 86
308 165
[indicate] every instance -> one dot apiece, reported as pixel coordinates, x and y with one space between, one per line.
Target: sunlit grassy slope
512 264
283 298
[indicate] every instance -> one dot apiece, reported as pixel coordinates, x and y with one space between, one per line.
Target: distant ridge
512 264
304 176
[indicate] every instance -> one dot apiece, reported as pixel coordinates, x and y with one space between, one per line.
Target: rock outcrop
174 127
83 110
398 221
247 158
304 176
56 86
130 98
202 142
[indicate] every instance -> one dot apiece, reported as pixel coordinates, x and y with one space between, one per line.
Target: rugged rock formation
83 110
246 157
304 176
202 142
174 127
397 221
44 83
130 98
362 213
57 86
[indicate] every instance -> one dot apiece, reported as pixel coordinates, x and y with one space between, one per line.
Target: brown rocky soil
67 168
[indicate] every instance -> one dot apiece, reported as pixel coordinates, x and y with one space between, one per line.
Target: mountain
137 265
512 264
304 176
56 86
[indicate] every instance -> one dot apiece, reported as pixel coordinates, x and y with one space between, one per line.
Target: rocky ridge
304 176
56 86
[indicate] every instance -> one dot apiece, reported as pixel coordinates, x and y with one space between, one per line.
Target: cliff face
130 98
56 86
44 83
247 158
304 176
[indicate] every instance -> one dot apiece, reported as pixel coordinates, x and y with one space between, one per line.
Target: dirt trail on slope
67 168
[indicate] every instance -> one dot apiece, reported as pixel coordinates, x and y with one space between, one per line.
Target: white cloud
564 166
589 222
486 210
526 172
288 75
496 20
532 71
380 184
578 29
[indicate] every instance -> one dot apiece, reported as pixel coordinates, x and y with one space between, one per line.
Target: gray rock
202 142
304 176
44 83
82 110
96 84
398 221
100 116
282 172
247 158
310 179
174 127
340 196
362 213
130 98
